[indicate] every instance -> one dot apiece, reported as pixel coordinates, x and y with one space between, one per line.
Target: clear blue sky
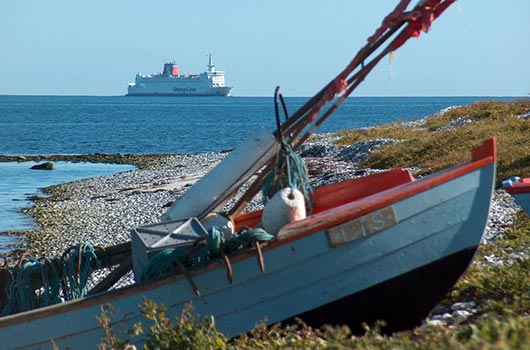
95 47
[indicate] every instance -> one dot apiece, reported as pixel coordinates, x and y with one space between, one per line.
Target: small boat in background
519 189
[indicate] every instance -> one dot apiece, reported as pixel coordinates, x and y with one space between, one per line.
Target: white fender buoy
214 188
287 205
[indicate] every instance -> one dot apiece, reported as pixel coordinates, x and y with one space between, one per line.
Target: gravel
103 210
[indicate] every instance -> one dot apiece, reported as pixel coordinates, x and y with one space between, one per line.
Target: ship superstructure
170 83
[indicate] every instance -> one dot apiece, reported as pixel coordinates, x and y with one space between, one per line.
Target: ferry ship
171 83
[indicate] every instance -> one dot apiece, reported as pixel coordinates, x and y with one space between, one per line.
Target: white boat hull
172 90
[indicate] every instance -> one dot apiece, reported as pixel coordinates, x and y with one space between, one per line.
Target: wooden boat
385 246
519 189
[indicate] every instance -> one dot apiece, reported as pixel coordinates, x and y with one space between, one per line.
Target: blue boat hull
402 302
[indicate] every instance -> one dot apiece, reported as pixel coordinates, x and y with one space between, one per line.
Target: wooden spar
295 124
297 117
352 84
113 255
250 192
299 120
112 277
359 76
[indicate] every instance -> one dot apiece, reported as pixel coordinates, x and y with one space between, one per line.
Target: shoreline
142 161
103 210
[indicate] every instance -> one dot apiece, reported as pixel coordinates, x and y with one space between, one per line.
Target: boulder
43 166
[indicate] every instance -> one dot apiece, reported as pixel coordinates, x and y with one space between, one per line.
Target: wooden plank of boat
397 270
519 189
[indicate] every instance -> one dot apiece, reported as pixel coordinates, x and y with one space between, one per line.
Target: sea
44 125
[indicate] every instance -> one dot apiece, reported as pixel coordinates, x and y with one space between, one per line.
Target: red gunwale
481 157
337 194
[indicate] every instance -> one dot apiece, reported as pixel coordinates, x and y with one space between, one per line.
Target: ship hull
221 91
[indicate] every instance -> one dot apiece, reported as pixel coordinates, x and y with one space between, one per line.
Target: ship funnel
170 69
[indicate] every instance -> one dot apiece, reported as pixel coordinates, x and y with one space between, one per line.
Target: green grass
433 150
501 292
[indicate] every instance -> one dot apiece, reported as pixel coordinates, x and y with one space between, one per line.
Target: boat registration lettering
363 226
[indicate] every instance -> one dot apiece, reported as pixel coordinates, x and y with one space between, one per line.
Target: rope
162 264
289 171
218 239
63 278
52 286
246 237
25 295
77 264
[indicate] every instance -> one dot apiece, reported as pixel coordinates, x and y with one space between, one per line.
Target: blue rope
52 286
25 291
77 264
289 171
163 263
10 304
71 271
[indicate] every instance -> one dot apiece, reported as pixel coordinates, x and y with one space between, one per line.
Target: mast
211 66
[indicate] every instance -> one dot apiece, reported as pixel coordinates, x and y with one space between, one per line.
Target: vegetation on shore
445 139
497 281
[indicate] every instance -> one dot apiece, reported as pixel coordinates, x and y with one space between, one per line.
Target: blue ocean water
41 125
19 183
32 125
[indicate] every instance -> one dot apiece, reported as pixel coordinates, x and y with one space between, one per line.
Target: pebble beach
103 210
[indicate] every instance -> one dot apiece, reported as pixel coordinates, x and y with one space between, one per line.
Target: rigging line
277 115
